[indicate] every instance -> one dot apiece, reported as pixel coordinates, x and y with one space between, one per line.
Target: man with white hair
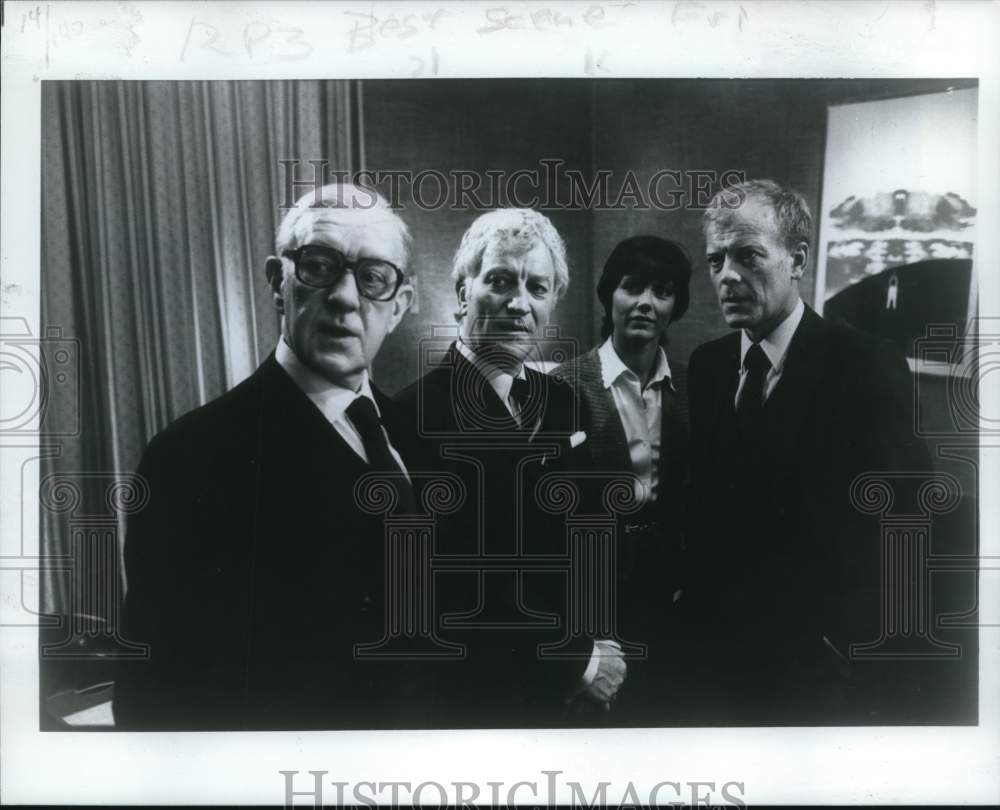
502 427
252 573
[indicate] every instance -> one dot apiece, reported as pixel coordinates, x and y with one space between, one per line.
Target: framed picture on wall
898 224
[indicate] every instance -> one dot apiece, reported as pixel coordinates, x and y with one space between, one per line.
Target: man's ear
800 259
400 304
463 301
275 273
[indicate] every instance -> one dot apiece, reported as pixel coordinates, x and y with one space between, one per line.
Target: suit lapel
787 407
558 407
295 427
726 383
610 446
393 422
467 387
672 440
306 464
293 423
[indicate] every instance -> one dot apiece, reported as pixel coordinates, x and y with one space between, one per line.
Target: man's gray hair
791 213
515 229
337 206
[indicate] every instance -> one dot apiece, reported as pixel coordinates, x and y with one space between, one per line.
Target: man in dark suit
252 571
786 411
505 430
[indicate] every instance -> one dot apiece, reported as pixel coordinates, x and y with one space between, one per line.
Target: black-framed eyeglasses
320 266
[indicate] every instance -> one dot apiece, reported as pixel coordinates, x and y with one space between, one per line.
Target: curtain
160 202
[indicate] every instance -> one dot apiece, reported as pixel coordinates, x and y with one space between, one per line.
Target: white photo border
172 40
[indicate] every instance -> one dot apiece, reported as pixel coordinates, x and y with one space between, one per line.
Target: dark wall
764 128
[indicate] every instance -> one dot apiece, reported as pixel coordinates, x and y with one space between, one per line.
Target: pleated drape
159 205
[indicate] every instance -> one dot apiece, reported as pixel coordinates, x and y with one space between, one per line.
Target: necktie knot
756 360
365 418
520 397
520 391
751 397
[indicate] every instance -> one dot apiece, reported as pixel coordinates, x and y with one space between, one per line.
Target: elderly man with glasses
252 572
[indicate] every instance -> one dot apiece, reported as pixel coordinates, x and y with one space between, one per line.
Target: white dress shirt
641 413
333 400
775 346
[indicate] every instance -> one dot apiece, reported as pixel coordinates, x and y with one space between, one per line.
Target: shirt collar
500 381
612 366
330 398
776 344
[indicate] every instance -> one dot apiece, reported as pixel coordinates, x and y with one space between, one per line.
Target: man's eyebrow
737 241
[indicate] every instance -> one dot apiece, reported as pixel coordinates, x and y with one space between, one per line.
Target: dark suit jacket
788 571
252 575
650 573
465 429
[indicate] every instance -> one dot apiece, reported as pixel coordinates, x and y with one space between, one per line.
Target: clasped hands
610 674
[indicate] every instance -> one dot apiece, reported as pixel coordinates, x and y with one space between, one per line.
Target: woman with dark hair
638 424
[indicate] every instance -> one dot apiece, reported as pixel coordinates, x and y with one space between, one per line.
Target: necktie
364 417
751 399
520 396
